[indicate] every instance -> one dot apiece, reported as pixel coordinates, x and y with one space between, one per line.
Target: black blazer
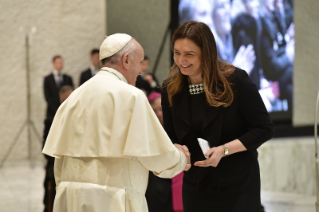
51 93
85 76
245 119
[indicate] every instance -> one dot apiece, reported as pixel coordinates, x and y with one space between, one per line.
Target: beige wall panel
306 71
146 20
68 28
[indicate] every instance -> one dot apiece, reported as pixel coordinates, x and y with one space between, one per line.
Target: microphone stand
29 124
316 153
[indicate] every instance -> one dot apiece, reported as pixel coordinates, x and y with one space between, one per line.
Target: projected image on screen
254 35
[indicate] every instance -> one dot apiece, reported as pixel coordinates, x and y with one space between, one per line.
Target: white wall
288 165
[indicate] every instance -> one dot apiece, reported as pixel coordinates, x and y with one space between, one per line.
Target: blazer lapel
53 82
182 113
211 114
212 125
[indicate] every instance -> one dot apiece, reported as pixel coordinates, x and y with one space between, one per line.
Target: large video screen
256 36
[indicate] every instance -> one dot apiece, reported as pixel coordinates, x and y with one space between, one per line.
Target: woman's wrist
225 150
221 150
234 146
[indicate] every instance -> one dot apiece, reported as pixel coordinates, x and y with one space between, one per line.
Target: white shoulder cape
106 117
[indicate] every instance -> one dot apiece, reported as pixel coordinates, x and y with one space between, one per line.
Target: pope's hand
184 149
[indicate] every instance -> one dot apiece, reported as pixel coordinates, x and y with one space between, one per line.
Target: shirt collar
56 73
115 72
93 69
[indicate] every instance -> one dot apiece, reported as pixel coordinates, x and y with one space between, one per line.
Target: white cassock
105 137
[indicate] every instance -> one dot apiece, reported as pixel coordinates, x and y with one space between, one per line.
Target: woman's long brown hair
214 72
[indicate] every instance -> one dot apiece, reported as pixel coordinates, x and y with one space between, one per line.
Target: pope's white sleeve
166 165
58 162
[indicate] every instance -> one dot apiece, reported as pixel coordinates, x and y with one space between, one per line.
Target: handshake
184 149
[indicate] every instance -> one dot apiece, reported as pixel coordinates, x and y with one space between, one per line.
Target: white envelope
204 145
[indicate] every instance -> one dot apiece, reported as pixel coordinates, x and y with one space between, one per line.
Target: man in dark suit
147 82
94 67
52 84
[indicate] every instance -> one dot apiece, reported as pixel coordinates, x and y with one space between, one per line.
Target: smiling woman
187 56
210 99
195 55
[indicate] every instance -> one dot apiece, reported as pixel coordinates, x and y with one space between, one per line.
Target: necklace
196 88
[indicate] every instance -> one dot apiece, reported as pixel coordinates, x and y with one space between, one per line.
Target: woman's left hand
215 154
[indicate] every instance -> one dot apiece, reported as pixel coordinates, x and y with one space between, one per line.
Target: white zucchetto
113 44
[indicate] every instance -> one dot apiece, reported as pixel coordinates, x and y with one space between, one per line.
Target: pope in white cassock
105 137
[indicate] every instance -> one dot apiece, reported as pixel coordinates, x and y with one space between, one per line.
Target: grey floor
21 189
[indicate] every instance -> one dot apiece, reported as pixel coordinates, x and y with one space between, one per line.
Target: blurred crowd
254 35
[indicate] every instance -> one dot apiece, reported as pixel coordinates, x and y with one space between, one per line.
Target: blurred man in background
94 67
52 84
49 181
147 81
